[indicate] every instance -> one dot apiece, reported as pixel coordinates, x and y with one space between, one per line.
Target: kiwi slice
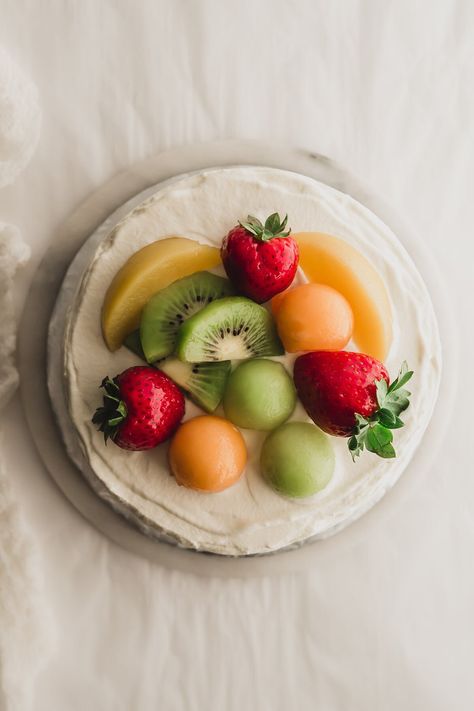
203 382
133 343
169 308
233 328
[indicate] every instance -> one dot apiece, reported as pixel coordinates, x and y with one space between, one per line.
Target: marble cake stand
41 301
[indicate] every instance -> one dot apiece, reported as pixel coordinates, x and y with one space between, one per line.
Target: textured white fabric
385 87
20 119
13 253
26 629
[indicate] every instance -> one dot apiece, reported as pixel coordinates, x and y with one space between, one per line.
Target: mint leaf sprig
375 433
273 227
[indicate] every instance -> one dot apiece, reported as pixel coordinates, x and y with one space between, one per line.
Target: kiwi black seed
169 308
231 328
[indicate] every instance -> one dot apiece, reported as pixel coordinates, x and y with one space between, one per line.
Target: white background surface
385 87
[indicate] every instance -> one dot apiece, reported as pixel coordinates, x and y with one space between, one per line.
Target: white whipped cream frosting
249 517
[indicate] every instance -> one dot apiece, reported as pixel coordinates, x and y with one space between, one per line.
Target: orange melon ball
313 317
277 301
207 453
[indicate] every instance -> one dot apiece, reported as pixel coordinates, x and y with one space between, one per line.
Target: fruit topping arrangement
147 271
332 261
224 344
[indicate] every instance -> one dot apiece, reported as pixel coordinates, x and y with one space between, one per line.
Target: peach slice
332 261
147 271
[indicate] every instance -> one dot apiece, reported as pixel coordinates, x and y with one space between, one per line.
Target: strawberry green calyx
375 433
273 227
113 412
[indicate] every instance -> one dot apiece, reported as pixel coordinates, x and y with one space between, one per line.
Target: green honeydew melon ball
260 395
297 459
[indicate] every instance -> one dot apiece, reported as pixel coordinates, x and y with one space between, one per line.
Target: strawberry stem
113 411
273 227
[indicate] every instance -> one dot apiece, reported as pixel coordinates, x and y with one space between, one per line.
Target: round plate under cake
249 518
75 231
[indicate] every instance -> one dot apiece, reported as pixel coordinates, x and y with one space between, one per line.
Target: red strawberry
142 407
348 394
260 260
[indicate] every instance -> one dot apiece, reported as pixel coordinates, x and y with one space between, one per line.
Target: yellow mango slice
330 260
147 271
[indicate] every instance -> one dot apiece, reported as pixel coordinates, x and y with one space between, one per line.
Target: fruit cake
236 362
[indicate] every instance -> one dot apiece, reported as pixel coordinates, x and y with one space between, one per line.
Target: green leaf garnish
390 419
381 389
379 441
375 433
403 377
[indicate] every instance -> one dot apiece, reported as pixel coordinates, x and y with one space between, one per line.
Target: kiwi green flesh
203 382
169 308
232 328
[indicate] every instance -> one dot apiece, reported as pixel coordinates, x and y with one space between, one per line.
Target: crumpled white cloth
25 635
13 253
26 630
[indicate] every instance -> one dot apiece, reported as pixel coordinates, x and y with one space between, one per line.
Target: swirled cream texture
248 518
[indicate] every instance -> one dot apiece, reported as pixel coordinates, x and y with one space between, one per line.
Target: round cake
249 517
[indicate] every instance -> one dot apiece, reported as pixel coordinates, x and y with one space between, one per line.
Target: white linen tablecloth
385 87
